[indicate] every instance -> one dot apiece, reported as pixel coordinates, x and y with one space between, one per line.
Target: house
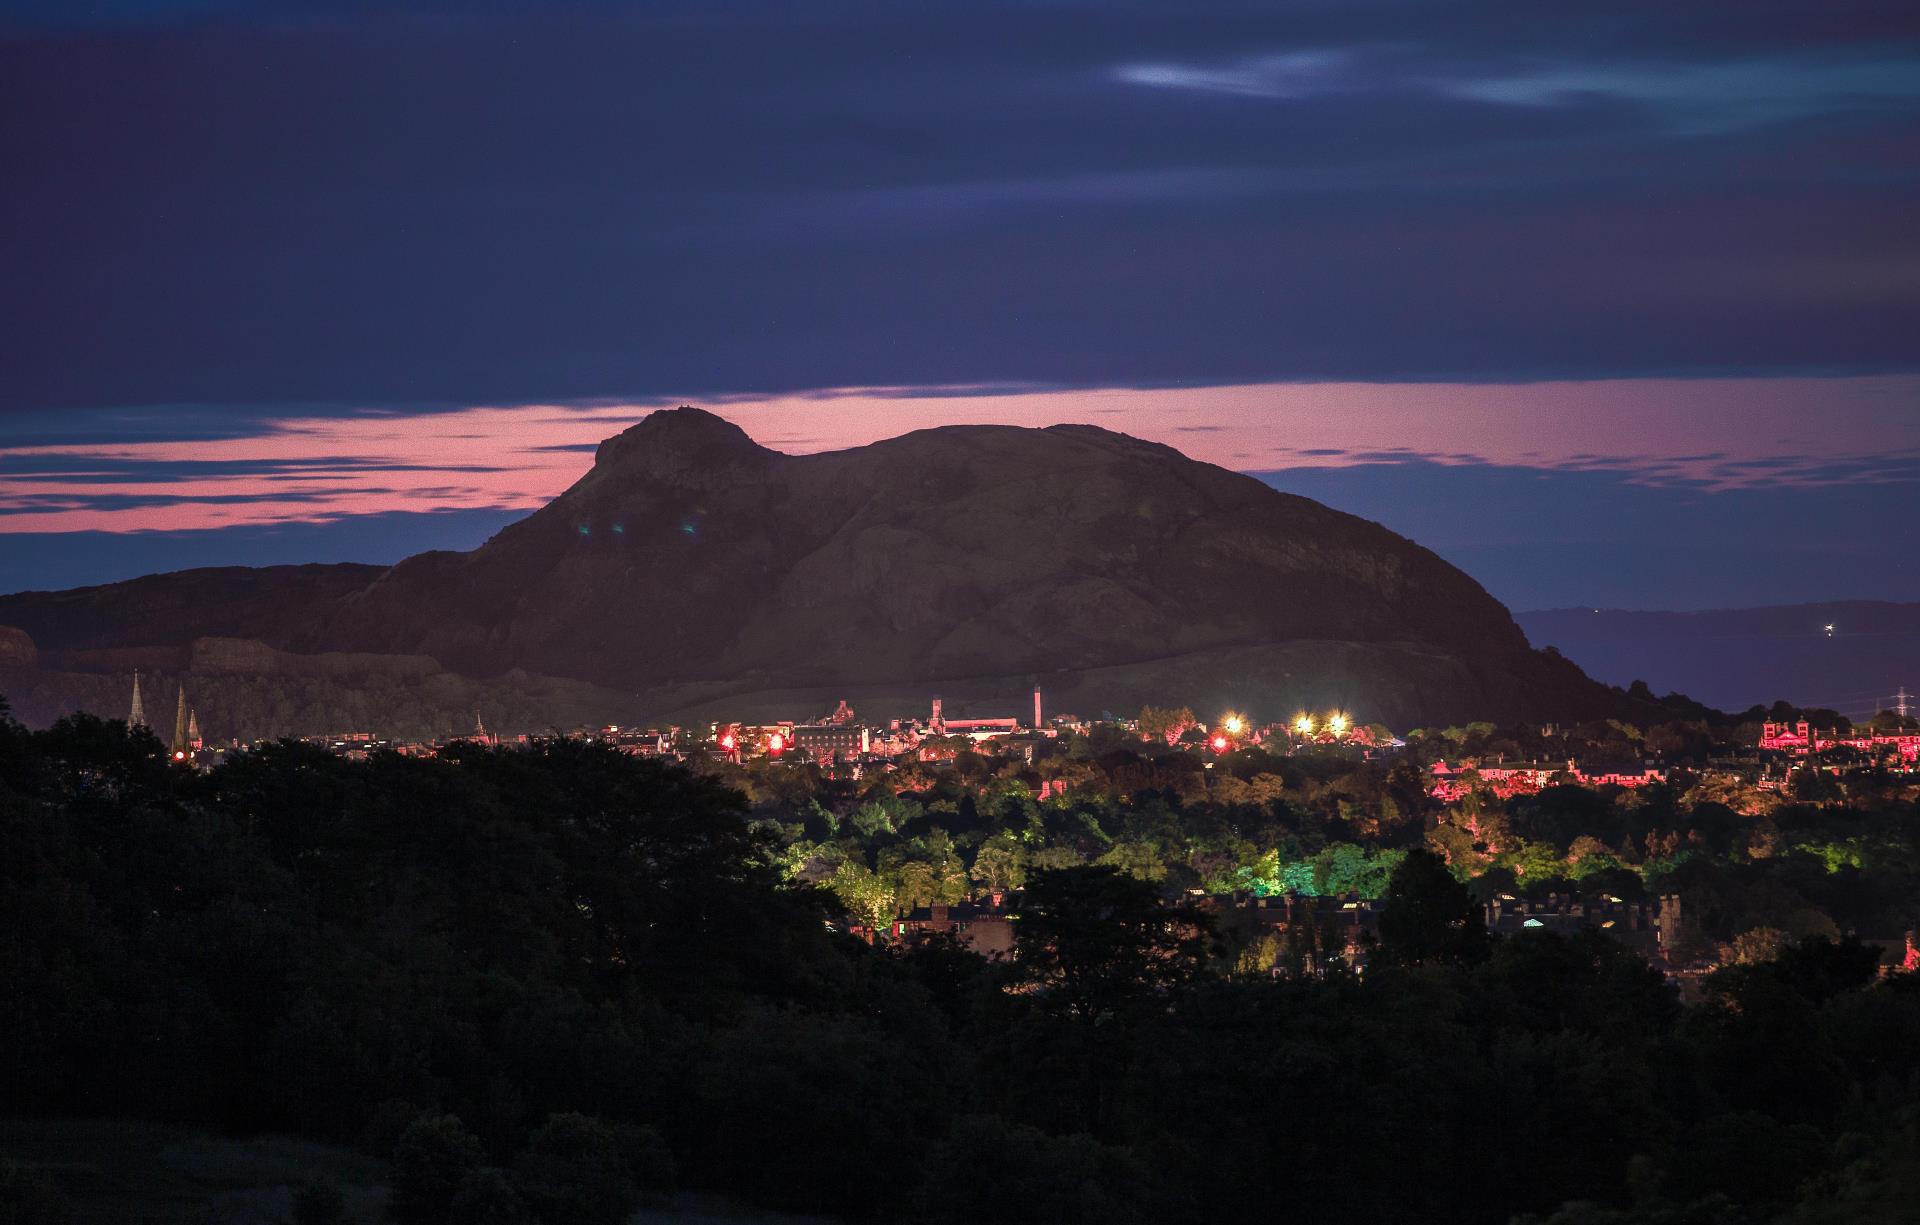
986 927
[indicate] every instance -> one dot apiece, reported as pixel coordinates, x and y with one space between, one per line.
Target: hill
692 570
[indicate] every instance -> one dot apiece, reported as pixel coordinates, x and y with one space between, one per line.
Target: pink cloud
1723 432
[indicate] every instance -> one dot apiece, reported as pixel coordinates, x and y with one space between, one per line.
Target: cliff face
691 566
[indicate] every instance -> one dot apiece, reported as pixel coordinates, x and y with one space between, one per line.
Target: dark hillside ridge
691 567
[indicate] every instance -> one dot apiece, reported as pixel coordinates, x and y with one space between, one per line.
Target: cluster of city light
1335 724
729 742
1227 732
1230 729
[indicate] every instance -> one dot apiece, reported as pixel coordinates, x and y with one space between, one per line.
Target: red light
727 742
1220 744
776 743
179 756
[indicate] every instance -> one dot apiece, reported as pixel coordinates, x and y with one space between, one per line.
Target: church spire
137 717
180 722
193 729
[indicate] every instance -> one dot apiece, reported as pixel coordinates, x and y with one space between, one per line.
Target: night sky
1609 303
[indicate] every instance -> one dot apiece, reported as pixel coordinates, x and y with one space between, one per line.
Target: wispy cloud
1704 434
1686 96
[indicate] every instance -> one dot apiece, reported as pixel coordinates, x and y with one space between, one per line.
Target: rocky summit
693 573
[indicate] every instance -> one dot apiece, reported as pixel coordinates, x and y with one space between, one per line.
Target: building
1801 739
186 729
981 729
1637 924
830 742
1451 783
985 927
1295 933
639 742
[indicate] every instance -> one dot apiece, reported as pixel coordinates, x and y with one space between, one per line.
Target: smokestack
1037 724
938 724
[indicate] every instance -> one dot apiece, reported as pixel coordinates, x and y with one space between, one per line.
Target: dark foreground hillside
558 984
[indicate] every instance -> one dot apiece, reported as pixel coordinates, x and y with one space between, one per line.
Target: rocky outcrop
16 648
691 566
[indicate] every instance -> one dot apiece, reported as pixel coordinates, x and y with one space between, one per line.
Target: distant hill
692 572
1736 658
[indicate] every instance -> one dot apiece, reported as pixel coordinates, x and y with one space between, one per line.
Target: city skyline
1033 612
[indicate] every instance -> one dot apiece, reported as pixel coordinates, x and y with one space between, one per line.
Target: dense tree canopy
547 983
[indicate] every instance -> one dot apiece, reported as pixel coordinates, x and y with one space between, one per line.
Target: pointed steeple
179 744
137 717
193 729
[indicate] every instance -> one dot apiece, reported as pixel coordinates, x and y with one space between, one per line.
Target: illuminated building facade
1801 738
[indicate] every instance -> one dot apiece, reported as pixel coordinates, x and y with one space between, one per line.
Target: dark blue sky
221 216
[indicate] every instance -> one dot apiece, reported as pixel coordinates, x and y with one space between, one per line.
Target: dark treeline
548 982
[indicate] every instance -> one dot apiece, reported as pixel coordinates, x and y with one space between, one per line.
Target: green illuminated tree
997 865
867 897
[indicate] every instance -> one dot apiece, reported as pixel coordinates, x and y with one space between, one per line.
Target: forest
557 983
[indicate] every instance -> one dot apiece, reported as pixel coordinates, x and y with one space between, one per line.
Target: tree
916 885
1754 946
573 1172
1428 917
487 1198
319 1203
992 1170
997 865
867 897
1814 968
433 1158
1168 725
30 1197
1094 939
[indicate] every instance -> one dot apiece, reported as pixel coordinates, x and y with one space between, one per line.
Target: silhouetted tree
573 1172
1428 918
1094 939
433 1159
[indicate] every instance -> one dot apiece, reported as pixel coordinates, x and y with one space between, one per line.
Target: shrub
29 1197
319 1203
993 1170
574 1172
433 1158
487 1198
